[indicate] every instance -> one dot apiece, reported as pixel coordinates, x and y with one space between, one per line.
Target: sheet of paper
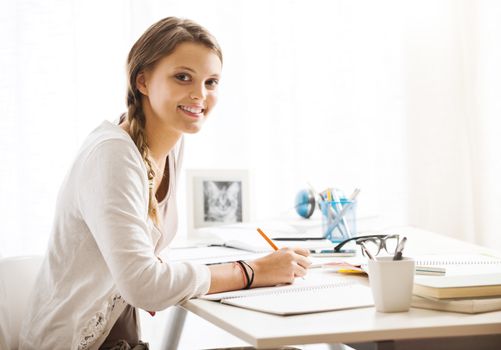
246 237
208 255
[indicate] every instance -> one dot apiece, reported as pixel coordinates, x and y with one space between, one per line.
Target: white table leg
173 327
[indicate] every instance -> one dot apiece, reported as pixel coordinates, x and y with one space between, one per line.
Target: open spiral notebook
301 297
460 264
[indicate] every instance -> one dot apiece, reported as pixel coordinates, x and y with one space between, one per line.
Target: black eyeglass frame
359 239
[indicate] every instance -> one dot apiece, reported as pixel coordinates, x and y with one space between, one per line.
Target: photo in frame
217 197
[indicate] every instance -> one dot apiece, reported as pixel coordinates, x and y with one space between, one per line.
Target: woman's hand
282 266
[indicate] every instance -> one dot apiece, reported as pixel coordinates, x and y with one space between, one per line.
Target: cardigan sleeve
113 200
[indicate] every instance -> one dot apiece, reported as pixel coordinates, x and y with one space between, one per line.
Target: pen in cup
330 211
354 195
399 250
327 198
339 208
345 209
366 251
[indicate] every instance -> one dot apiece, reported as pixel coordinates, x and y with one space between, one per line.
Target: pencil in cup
342 224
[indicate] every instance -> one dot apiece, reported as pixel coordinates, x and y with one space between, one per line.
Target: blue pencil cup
339 220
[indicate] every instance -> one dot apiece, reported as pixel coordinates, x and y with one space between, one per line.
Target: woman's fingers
281 266
301 251
299 271
300 262
301 257
303 262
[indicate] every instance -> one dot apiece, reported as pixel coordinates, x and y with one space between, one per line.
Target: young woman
116 209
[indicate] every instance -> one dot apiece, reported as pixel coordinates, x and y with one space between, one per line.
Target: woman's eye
212 83
183 77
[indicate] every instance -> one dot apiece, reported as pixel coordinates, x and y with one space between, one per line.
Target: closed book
459 286
467 305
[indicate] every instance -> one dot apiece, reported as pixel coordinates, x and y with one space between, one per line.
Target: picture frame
217 197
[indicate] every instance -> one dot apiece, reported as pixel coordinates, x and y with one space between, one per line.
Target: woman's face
181 90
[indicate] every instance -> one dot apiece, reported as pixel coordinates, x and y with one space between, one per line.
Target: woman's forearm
279 267
226 277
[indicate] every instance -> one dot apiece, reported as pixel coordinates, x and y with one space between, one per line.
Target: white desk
364 325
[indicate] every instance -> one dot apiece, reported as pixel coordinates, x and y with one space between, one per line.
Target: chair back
17 279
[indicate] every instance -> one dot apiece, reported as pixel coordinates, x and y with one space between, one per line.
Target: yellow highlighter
348 271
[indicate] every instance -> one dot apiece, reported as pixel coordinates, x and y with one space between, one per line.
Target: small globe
305 203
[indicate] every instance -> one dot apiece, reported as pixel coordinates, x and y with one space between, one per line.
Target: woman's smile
193 111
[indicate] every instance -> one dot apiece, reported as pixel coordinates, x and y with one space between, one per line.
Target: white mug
391 283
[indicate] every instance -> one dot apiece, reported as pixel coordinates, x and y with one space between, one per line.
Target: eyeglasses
372 244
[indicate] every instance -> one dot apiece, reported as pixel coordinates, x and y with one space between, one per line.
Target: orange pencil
270 242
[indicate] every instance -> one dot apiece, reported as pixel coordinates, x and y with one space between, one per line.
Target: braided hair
157 42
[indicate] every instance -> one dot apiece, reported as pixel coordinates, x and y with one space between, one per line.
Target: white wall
395 97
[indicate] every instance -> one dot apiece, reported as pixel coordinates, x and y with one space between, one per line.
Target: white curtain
399 98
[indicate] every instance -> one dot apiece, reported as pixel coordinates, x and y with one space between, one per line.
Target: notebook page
310 281
461 264
307 300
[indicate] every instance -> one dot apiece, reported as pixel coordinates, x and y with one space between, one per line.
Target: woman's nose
198 93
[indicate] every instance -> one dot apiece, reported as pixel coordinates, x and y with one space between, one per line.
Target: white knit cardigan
103 248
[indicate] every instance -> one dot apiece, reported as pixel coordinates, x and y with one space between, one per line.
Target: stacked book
462 293
470 286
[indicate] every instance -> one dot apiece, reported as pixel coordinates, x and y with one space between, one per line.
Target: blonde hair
157 42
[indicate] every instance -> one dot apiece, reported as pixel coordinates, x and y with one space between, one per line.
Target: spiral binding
293 289
457 262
